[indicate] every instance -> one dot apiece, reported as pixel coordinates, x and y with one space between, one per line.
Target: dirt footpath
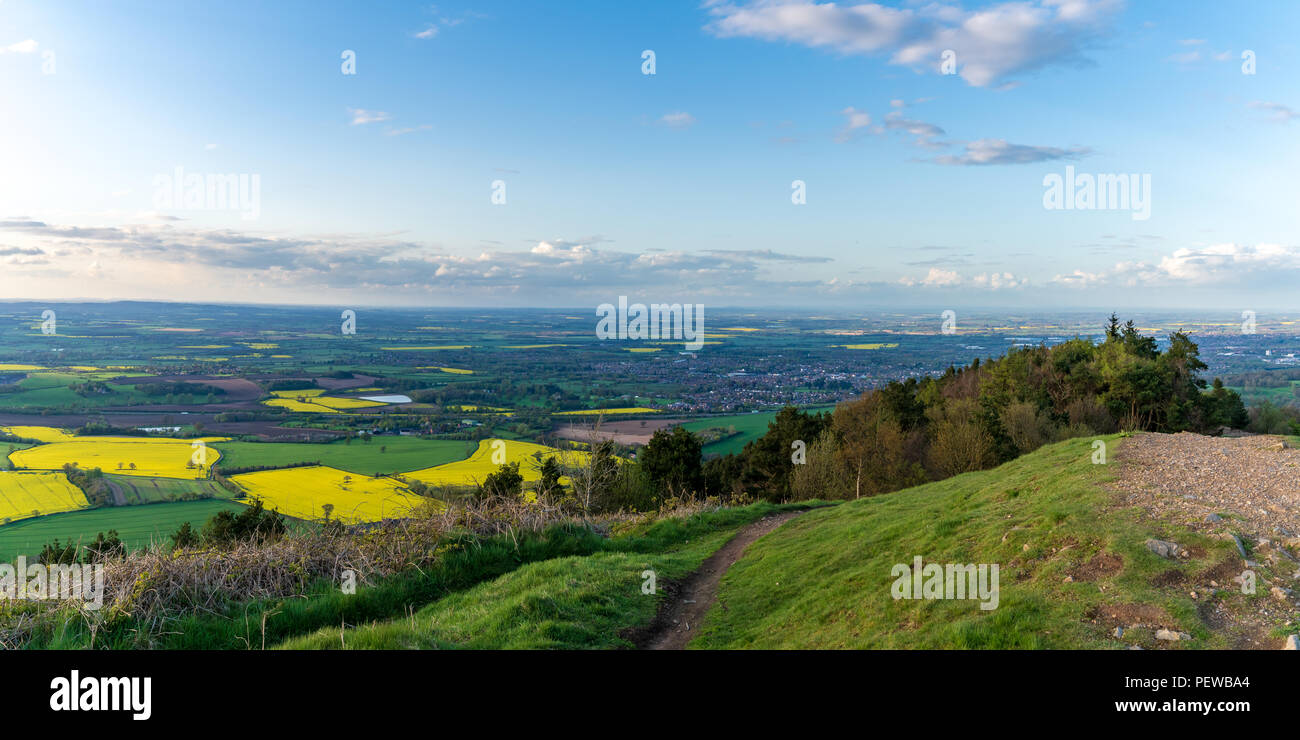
682 612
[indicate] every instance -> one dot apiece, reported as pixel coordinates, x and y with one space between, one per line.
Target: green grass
136 525
139 490
6 448
824 579
580 601
402 454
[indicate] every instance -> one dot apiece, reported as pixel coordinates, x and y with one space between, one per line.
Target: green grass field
386 454
136 525
138 490
749 427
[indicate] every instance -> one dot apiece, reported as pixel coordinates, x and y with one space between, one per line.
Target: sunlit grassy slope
1068 558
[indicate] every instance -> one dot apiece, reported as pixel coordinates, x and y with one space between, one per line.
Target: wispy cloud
1000 151
409 130
1280 113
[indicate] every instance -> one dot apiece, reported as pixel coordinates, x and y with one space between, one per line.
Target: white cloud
22 47
990 44
362 116
427 33
856 121
679 119
1219 264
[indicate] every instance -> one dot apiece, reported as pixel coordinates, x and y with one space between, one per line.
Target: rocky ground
1244 489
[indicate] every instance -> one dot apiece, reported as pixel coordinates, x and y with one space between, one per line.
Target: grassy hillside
580 601
1072 568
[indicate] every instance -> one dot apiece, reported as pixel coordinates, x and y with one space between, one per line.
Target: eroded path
689 600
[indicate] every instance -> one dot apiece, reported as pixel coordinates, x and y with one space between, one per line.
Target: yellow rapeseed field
151 456
44 434
295 405
477 467
24 495
303 492
311 401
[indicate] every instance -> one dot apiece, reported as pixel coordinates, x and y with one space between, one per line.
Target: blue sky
922 188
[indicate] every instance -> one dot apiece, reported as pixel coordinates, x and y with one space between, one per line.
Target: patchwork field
388 454
142 456
24 495
478 466
303 492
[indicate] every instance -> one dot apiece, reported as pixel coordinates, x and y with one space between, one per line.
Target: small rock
1240 547
1136 647
1292 642
1025 547
1214 519
1119 632
1164 634
1164 549
1069 579
1279 593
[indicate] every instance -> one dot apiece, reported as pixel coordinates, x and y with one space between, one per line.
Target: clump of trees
91 482
224 529
982 415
